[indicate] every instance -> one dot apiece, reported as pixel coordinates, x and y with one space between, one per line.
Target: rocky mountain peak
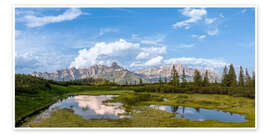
115 66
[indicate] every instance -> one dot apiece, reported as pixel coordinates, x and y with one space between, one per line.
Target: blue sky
48 39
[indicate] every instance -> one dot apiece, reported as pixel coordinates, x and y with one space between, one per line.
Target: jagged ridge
119 74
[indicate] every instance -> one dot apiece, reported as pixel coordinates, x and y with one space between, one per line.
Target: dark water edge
26 118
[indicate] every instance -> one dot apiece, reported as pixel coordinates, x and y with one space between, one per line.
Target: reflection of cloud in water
189 112
87 107
159 107
96 104
201 119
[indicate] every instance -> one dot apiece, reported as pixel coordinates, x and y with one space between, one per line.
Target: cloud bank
35 21
120 51
199 62
134 56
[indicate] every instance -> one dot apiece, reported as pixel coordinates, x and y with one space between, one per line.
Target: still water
89 107
200 114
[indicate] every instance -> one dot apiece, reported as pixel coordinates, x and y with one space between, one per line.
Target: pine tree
206 79
225 76
183 78
247 79
215 82
140 81
165 79
197 78
175 77
241 77
231 76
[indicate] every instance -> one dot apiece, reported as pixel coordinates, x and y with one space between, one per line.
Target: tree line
243 86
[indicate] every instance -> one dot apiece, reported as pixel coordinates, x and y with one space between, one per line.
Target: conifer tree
225 76
140 81
247 79
197 78
231 76
175 77
206 79
241 77
215 82
183 78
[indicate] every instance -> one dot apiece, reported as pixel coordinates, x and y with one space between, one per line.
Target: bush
30 84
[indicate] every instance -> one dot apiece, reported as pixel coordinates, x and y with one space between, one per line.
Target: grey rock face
165 71
112 73
120 75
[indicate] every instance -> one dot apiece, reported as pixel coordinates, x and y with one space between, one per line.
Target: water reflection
90 107
200 114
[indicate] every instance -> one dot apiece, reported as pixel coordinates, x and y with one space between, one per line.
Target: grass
27 104
148 117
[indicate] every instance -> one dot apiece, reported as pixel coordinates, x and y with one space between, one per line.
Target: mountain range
120 75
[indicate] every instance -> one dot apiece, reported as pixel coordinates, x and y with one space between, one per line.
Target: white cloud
35 21
213 31
202 37
194 35
153 40
155 50
154 61
198 36
19 12
210 20
197 62
194 14
18 33
186 45
221 15
106 30
142 55
25 62
100 53
120 51
150 52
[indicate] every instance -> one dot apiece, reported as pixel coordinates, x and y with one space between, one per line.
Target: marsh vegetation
100 103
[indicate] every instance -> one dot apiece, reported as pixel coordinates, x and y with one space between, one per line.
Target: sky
49 39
